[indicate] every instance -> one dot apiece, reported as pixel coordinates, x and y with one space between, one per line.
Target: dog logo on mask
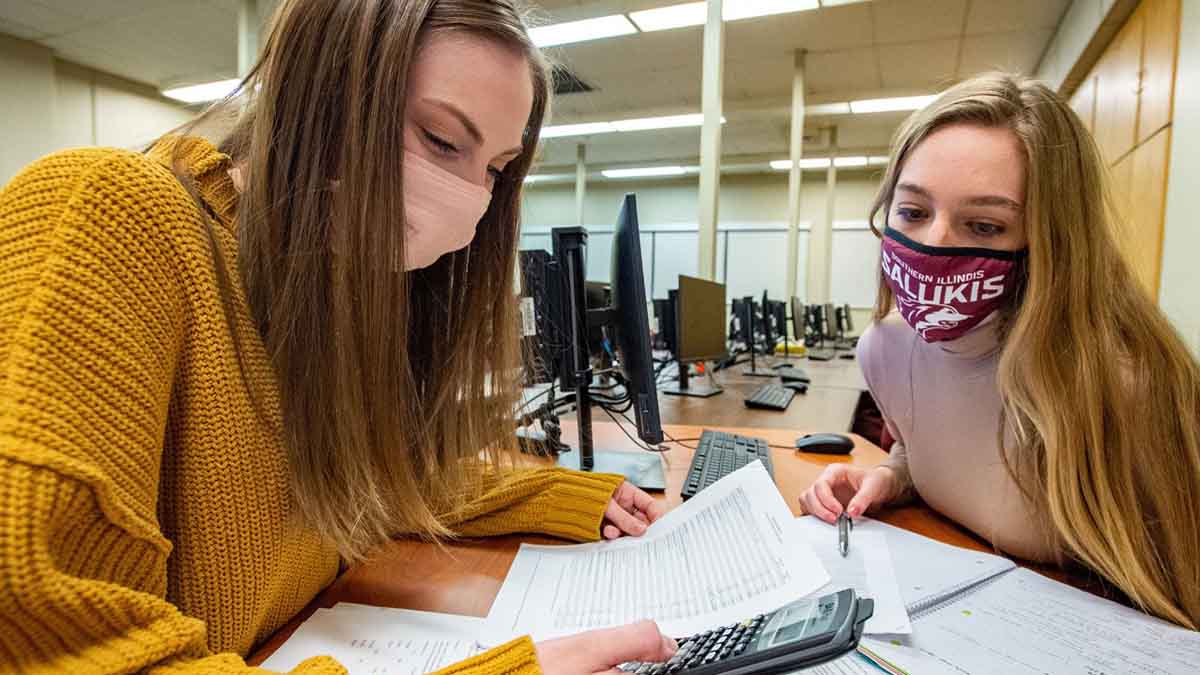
925 318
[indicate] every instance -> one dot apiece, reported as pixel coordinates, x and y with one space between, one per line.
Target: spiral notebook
929 572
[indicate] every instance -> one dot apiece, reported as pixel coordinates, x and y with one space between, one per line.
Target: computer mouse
798 387
827 444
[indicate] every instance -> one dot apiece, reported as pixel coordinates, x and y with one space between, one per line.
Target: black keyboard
770 397
719 454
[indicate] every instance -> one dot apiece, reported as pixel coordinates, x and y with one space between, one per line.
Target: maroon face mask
943 292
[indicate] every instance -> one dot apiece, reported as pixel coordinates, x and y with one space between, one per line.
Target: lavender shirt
941 404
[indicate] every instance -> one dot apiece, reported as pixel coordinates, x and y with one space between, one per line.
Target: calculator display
799 621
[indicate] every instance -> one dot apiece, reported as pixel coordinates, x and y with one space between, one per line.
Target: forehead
968 160
487 80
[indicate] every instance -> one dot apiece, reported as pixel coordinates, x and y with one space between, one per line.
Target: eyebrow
469 125
983 200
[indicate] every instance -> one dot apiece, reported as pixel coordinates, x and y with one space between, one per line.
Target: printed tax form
728 553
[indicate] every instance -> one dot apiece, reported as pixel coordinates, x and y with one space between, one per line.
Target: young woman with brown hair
227 370
1035 392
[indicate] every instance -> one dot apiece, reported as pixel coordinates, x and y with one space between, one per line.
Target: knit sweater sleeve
92 317
559 502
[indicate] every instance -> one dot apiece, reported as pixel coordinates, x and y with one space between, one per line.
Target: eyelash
909 215
447 148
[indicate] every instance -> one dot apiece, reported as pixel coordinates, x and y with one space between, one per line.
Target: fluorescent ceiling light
639 124
202 93
891 104
696 13
672 16
805 163
748 9
644 172
577 129
848 162
667 122
581 31
842 108
877 161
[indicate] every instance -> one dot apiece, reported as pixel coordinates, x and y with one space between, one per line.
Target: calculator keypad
704 648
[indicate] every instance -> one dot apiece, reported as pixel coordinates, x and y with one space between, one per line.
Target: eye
442 145
908 214
982 229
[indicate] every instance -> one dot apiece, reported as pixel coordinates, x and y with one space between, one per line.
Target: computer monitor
830 319
629 327
664 312
849 319
700 321
700 313
767 329
632 327
737 322
799 319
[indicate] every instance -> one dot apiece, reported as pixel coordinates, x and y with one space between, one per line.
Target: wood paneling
1161 28
1084 103
1117 81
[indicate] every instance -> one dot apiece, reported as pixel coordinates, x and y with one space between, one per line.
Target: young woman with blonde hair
1036 393
227 371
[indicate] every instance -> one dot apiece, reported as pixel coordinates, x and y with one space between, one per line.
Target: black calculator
803 634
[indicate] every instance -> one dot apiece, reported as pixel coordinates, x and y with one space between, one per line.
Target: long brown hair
395 386
1102 396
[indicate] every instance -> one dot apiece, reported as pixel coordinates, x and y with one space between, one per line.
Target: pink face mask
442 211
943 292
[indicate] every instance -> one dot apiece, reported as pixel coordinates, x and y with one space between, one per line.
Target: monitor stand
640 468
685 388
756 370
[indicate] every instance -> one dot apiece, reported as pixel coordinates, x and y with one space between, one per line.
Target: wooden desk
828 406
463 577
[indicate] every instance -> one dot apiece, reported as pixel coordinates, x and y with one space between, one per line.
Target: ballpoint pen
844 525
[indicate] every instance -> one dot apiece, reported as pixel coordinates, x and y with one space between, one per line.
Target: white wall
1179 289
751 237
48 105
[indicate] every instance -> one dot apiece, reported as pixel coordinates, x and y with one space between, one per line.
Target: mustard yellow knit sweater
145 520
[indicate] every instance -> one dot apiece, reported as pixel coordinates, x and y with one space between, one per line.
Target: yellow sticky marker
966 612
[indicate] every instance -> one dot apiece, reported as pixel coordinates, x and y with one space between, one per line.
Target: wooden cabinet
1084 103
1160 19
1126 101
1117 82
1147 206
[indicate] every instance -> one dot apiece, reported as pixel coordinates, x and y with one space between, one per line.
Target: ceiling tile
1014 15
20 30
924 65
822 30
1014 52
843 70
39 17
913 20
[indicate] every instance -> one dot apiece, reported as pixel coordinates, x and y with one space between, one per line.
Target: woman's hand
863 488
601 651
630 512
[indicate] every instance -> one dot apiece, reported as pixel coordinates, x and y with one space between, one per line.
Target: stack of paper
730 552
381 641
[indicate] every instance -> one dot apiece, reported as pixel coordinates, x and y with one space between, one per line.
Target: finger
626 496
611 531
870 492
824 494
814 507
641 641
653 508
641 515
617 515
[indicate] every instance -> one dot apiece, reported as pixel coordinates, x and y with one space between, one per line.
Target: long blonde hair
392 383
1102 396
